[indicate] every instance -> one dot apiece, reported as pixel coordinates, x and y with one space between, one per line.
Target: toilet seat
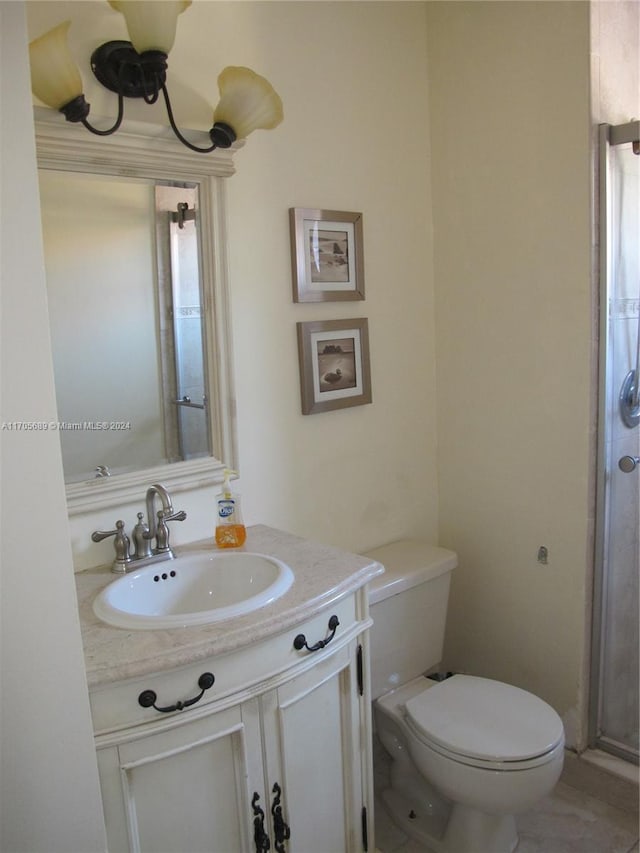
485 723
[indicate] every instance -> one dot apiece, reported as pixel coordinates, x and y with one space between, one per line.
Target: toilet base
409 815
469 831
463 830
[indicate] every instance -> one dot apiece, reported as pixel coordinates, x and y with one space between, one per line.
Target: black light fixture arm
175 129
77 110
221 135
121 69
114 127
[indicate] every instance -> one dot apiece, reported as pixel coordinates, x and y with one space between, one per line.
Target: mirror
136 280
125 311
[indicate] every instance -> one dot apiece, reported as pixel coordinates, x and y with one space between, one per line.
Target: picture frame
327 259
335 371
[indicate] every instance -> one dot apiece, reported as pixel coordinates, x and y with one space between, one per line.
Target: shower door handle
628 463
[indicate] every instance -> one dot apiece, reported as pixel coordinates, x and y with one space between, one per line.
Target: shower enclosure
614 701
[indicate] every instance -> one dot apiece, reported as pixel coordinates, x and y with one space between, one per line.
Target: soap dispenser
230 531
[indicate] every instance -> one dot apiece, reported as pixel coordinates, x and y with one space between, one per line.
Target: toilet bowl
468 753
489 750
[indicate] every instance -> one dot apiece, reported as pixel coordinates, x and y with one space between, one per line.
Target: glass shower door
614 723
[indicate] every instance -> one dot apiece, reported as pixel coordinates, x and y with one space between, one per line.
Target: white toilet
467 753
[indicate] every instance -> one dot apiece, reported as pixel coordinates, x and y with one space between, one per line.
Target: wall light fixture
138 69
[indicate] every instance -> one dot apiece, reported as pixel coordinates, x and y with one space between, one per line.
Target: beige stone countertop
323 574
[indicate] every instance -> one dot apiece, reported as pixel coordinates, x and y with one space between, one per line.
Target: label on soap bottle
226 508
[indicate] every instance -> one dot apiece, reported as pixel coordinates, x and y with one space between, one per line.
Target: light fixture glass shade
55 78
151 23
247 102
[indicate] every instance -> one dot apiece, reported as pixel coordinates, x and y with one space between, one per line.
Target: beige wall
353 80
511 195
49 792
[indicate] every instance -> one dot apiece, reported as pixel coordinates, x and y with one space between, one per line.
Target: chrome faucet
143 534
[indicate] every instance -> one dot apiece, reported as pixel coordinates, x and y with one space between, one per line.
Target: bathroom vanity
249 734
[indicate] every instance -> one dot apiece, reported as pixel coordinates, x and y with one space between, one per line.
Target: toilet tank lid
407 563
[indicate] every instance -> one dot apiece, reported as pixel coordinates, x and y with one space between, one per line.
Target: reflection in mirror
125 303
186 417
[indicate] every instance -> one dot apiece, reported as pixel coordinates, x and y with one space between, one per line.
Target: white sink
197 588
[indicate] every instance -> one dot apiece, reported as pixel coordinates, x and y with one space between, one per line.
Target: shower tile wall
619 708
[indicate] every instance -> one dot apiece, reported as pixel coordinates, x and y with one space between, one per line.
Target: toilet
468 753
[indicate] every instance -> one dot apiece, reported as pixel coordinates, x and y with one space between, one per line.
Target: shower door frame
609 136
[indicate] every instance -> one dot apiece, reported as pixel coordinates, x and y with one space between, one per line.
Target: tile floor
590 811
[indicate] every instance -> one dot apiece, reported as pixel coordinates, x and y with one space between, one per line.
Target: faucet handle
162 531
174 516
120 543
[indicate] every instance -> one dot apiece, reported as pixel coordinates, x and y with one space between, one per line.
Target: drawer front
236 675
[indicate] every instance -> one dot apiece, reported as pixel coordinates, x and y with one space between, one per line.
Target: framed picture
326 255
334 364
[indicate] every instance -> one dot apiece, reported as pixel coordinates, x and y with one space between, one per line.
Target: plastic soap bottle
230 531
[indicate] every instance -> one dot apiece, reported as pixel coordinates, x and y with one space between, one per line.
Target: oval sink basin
194 589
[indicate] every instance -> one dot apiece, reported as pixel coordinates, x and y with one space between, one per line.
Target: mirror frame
149 151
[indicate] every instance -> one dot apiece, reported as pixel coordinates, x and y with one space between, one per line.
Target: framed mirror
134 240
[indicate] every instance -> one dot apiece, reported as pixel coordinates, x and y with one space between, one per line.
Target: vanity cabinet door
185 789
312 734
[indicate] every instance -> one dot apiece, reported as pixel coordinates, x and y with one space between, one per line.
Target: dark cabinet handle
281 830
259 835
148 697
300 641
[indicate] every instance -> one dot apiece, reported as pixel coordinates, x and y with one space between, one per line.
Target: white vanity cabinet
275 755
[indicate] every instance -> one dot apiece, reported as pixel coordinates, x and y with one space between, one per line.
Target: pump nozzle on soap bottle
230 531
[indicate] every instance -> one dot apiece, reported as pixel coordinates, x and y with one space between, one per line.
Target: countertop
323 574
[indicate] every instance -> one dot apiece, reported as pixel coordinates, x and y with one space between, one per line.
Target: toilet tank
408 604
